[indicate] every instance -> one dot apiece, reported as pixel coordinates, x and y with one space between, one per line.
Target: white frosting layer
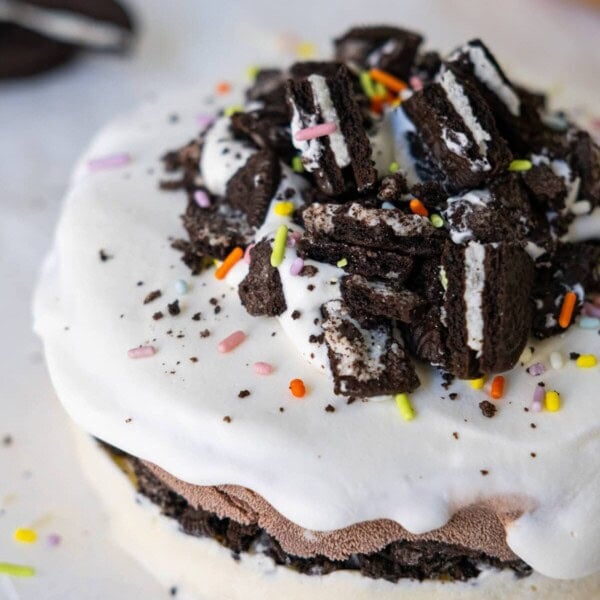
321 470
474 285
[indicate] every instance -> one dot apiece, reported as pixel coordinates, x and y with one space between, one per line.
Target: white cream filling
474 285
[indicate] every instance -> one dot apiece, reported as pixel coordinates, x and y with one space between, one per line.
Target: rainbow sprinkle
589 322
556 360
343 262
310 133
247 257
296 266
263 368
366 83
436 221
278 253
586 361
201 198
297 388
306 50
284 209
405 407
111 161
538 398
231 341
230 260
181 287
497 389
552 401
25 536
141 352
477 384
231 110
394 167
16 570
297 165
520 165
536 369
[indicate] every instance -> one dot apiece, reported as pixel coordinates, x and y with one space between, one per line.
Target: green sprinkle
16 570
436 221
342 262
443 278
520 165
279 246
297 165
231 110
380 90
405 407
394 167
366 83
252 72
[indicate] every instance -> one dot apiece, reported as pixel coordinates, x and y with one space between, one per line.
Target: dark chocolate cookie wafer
321 94
367 362
37 35
487 306
390 49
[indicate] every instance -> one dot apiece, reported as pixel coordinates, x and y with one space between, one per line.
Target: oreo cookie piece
387 48
268 128
585 161
216 230
253 186
517 113
364 362
379 228
487 306
458 132
366 261
381 299
261 291
426 338
548 190
38 35
269 88
321 93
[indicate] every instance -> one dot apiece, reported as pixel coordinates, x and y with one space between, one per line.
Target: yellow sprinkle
306 50
284 209
380 89
443 278
405 407
436 221
552 401
520 165
394 167
395 103
278 253
585 361
252 72
25 536
231 110
297 165
477 384
342 262
16 570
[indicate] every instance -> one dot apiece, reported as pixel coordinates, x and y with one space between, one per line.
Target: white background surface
45 123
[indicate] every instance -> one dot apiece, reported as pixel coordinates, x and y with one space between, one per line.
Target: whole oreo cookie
38 35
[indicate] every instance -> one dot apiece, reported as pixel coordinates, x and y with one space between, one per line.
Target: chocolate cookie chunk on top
487 306
261 292
390 49
339 153
384 229
458 131
585 161
366 362
253 186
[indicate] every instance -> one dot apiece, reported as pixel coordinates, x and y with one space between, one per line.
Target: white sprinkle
181 287
556 360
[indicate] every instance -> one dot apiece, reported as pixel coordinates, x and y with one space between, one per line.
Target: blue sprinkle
589 323
181 287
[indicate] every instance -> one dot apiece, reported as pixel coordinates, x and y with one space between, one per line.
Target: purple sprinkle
111 161
54 539
536 369
293 238
202 199
204 120
296 266
538 398
590 310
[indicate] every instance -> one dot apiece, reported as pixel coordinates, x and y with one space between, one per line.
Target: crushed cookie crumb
487 409
204 333
574 355
532 425
227 419
194 359
197 316
104 256
330 408
455 435
152 296
296 315
484 472
453 395
532 454
157 316
281 409
244 393
128 420
7 440
174 308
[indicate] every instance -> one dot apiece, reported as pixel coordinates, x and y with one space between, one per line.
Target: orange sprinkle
566 310
377 104
236 254
390 82
297 388
223 87
497 387
418 207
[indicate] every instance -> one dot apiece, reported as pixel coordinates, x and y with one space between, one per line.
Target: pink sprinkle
538 398
296 266
263 368
416 83
201 198
53 539
293 238
316 131
247 257
591 310
141 352
536 369
111 161
231 342
203 120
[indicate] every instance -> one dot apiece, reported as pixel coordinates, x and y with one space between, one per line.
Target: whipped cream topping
321 470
